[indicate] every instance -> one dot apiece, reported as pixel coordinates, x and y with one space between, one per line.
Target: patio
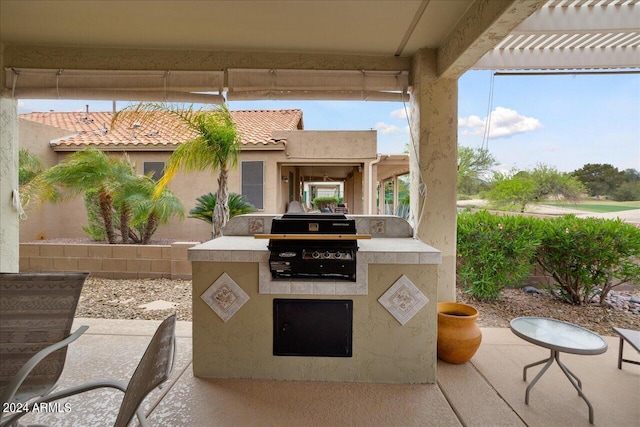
489 391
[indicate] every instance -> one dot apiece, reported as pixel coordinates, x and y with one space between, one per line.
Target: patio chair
154 369
633 338
36 314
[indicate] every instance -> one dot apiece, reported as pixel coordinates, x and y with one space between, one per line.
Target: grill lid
313 224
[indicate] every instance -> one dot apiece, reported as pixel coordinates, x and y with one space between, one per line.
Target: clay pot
459 336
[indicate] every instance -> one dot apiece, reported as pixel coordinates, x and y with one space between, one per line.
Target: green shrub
238 205
495 251
323 202
587 257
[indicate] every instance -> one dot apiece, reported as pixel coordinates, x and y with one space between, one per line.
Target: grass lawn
598 205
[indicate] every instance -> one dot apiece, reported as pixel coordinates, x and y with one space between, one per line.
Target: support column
9 221
433 164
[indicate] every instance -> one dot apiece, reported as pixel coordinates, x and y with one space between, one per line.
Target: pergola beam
545 59
572 35
582 19
191 60
484 25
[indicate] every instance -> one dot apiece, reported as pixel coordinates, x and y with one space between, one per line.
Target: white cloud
386 129
504 122
400 114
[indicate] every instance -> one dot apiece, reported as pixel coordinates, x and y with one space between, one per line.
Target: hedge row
585 257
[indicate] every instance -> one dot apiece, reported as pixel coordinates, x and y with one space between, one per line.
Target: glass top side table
558 337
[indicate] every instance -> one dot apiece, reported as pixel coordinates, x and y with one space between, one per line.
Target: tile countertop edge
248 249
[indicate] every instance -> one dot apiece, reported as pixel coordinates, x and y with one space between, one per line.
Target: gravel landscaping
121 299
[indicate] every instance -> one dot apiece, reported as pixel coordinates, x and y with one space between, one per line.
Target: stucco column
433 165
9 221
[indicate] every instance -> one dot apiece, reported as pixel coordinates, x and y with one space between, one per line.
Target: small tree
473 164
238 205
512 192
214 146
515 190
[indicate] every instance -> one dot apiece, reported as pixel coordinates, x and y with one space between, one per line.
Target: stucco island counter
393 318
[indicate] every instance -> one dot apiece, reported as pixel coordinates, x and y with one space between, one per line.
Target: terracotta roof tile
94 129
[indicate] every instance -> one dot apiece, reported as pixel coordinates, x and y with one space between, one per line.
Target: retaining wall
109 261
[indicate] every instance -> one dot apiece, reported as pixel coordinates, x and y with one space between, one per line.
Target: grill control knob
338 255
315 255
327 255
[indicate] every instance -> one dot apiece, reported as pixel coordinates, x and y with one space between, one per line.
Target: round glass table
558 337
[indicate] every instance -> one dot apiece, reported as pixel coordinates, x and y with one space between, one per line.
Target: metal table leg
577 384
575 381
548 361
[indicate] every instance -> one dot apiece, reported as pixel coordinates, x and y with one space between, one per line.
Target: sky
563 121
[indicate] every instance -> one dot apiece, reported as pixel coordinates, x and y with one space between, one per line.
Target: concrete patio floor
488 391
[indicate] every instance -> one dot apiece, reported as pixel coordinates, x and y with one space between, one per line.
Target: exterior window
154 169
253 182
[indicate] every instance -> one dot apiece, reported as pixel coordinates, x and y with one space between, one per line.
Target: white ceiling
310 26
306 36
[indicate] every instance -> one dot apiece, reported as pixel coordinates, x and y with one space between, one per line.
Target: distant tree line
606 180
515 189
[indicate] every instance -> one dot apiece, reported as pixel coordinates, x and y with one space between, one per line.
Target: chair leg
620 353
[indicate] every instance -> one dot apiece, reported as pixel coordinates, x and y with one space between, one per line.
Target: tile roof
94 129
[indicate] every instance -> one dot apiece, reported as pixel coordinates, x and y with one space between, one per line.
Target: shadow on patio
489 391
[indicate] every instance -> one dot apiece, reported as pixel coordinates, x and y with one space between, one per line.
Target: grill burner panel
313 258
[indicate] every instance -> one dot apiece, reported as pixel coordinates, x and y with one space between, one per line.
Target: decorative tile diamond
378 227
403 300
256 226
225 297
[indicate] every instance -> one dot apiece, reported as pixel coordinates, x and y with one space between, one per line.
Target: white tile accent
302 288
242 256
407 258
225 297
221 256
403 300
385 258
324 287
260 256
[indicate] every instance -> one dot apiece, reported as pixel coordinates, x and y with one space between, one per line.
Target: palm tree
29 166
147 213
83 171
214 146
238 205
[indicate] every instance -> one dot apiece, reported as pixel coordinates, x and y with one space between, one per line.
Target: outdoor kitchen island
381 326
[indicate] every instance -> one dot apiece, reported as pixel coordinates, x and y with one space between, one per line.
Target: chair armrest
19 377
